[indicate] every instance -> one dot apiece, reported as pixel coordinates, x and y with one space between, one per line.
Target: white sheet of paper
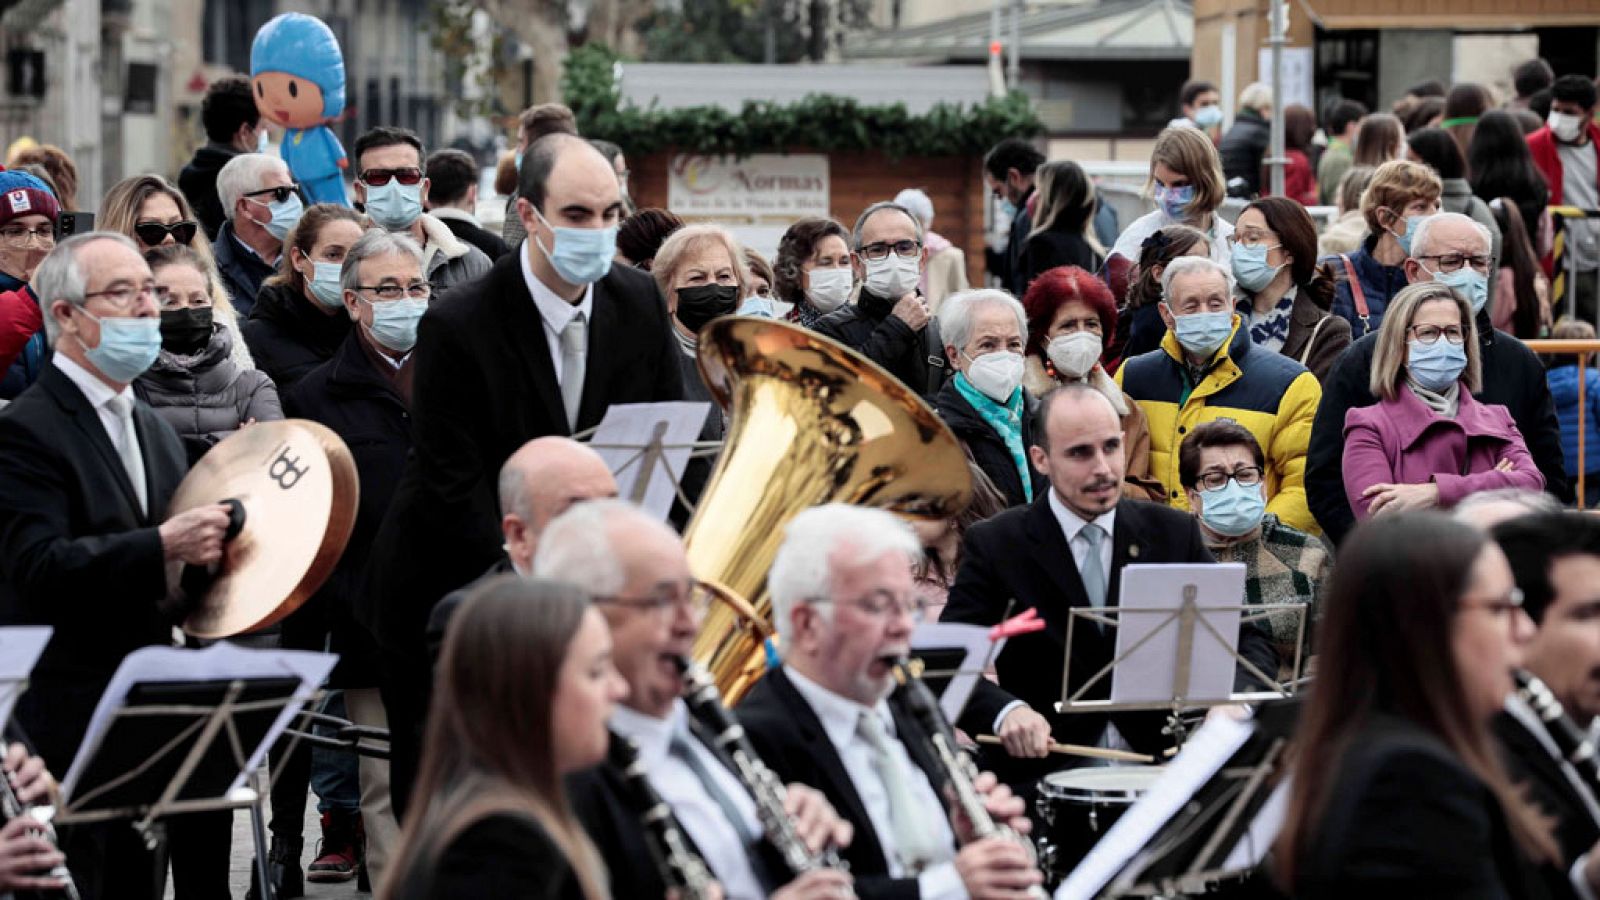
219 662
20 648
974 639
628 428
1205 752
1151 593
1258 838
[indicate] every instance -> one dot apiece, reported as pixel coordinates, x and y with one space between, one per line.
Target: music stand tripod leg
258 829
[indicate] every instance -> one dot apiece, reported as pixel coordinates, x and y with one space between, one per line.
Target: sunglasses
279 194
153 233
379 177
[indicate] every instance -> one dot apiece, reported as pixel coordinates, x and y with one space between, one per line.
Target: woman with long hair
1062 234
525 686
1299 175
1398 790
1522 292
1187 184
1500 165
1138 326
1465 103
1285 300
1379 140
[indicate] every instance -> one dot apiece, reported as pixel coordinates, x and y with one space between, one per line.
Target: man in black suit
1067 549
635 570
87 473
513 356
453 200
845 604
1555 560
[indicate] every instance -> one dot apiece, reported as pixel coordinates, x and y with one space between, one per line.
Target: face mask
700 304
1234 509
894 276
581 255
1564 126
1074 354
828 289
1208 116
1435 366
1404 240
1202 333
325 285
128 347
284 215
755 305
1008 210
1250 267
1469 283
394 206
394 323
262 142
185 332
1175 201
518 162
996 375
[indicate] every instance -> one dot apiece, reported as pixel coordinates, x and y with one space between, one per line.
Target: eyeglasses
881 604
693 595
279 194
406 175
153 233
416 290
1430 334
1216 479
881 250
1499 607
123 296
1250 239
1450 262
21 237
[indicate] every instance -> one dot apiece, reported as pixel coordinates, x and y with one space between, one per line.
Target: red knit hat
22 194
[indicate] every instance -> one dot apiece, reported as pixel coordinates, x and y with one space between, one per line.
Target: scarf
1006 420
686 342
1444 404
1270 329
804 314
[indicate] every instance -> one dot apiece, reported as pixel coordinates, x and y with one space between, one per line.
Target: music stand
651 439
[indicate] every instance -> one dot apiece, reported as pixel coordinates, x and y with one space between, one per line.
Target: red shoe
337 858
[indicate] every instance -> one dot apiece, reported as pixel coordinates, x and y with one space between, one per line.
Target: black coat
76 553
351 396
1050 249
492 245
198 181
790 739
1243 148
503 856
1512 377
1006 264
914 357
987 448
1533 769
289 336
242 271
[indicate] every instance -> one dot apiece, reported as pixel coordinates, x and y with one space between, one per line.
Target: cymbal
298 488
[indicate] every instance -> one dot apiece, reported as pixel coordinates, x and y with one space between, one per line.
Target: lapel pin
1133 551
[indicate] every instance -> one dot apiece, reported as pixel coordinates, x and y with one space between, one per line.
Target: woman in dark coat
1286 303
1061 233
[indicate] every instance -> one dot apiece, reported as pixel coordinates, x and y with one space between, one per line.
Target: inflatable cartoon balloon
297 73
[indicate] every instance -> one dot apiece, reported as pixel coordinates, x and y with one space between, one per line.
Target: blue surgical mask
394 322
580 255
1234 509
1404 240
127 348
518 161
1469 283
1435 366
1175 201
325 285
284 215
1008 210
1250 267
1208 116
1204 332
394 206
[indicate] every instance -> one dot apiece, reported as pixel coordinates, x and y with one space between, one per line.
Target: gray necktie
1092 572
678 748
574 359
127 443
914 841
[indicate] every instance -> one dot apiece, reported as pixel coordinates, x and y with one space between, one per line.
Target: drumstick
1080 750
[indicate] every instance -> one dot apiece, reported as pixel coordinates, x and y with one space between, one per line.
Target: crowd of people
1346 407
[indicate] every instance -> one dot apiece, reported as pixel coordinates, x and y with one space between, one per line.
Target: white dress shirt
839 717
99 395
555 311
1072 529
714 836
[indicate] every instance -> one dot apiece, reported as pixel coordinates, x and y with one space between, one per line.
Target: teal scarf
1006 421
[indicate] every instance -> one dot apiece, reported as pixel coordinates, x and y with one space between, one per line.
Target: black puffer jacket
986 447
289 335
914 357
207 397
1243 147
198 181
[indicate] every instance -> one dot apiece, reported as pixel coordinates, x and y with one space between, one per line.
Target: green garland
818 122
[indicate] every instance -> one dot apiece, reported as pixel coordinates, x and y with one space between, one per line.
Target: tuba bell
809 422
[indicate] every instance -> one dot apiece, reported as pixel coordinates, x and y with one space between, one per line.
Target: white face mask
827 289
1074 354
996 375
894 276
1564 126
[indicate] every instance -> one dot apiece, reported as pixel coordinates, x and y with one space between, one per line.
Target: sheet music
219 662
1151 595
20 649
628 429
1205 753
948 636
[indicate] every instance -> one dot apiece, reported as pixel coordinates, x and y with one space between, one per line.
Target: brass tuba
810 422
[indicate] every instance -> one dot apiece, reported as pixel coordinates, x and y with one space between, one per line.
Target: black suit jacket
791 741
493 245
1534 770
506 857
484 386
75 551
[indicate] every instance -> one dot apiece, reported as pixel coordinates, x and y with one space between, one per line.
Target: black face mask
185 331
700 304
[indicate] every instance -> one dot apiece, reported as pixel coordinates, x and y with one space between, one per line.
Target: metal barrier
1564 272
1582 350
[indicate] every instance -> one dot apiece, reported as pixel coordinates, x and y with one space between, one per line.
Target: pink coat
1402 441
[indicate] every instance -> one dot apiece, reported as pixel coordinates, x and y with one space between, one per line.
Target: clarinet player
26 856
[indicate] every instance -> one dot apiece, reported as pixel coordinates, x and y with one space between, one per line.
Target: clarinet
11 807
680 866
1571 740
959 770
705 702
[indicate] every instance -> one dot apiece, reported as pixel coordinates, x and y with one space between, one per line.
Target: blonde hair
1066 195
690 238
119 212
1189 152
1397 184
1389 357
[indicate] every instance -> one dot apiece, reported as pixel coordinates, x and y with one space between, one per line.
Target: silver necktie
574 360
128 448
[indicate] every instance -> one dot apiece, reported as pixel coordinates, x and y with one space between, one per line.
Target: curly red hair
1055 287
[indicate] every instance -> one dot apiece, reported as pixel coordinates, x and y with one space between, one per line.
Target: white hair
917 201
955 314
1193 265
1420 244
1257 95
242 175
802 572
375 242
60 275
1532 502
577 546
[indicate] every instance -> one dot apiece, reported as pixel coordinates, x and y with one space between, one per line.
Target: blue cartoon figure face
297 71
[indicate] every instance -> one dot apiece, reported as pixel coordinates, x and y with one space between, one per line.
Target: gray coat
207 397
449 260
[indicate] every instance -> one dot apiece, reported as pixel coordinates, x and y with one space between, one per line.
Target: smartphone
71 223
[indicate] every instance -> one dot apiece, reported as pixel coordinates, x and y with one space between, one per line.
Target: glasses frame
697 596
279 194
905 249
1479 264
406 175
917 610
1457 337
128 295
1200 481
29 237
192 226
420 291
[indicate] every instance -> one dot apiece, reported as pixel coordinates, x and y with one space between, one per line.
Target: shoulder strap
1356 293
1312 341
935 353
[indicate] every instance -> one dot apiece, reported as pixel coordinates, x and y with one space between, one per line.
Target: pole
1276 38
1014 62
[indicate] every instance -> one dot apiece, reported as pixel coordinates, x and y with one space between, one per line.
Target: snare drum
1079 806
